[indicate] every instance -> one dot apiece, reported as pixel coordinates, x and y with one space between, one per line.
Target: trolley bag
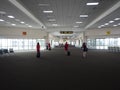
68 53
38 54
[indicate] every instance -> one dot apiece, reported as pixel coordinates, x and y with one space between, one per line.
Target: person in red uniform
38 49
49 47
66 46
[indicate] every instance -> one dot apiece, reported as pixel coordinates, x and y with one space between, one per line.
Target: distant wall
103 32
29 33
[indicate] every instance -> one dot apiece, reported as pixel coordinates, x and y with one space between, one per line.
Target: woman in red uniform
66 46
38 49
49 46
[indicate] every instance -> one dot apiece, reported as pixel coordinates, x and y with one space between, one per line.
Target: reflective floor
55 70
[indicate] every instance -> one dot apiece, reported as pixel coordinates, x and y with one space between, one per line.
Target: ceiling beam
24 10
104 14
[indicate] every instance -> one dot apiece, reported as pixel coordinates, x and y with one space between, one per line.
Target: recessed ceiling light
1 20
99 26
44 4
51 20
114 25
106 23
22 22
102 25
83 15
13 24
78 22
111 21
11 16
93 3
29 26
2 12
54 25
76 26
48 11
117 19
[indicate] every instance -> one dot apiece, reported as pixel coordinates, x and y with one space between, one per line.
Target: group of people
84 49
38 48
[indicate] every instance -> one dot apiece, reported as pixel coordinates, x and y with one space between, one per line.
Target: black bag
38 54
86 49
68 53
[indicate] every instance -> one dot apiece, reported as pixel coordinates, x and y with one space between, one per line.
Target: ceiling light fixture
102 25
78 22
51 20
117 19
13 24
93 3
43 4
54 25
2 12
99 26
48 11
115 25
29 26
22 22
11 16
1 20
83 15
76 26
106 23
111 21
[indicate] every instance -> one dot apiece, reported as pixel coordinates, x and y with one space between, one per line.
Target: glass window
26 46
14 44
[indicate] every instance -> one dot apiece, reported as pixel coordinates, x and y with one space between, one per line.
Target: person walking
38 49
49 46
85 49
66 49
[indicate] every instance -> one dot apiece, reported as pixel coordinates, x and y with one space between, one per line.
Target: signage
24 33
108 32
66 32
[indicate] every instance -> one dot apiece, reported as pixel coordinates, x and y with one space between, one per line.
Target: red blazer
38 48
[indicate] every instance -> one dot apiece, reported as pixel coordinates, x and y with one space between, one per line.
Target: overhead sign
24 33
66 32
108 32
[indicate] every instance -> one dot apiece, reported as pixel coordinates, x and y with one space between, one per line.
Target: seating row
6 51
114 49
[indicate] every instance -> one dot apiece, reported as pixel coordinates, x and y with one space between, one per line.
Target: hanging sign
108 33
66 32
24 33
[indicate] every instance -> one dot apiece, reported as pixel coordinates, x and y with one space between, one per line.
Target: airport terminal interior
52 23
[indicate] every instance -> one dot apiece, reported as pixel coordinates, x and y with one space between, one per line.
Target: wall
103 32
8 32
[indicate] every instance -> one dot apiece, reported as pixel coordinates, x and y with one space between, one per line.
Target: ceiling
65 15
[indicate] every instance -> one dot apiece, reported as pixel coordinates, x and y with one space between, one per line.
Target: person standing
66 46
85 49
38 49
49 46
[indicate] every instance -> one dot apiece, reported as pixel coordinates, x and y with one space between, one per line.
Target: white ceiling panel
65 14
